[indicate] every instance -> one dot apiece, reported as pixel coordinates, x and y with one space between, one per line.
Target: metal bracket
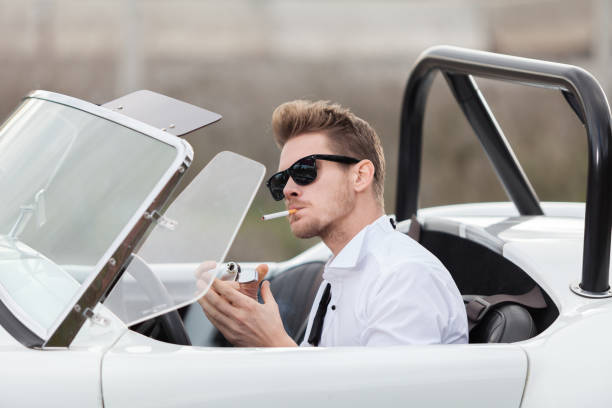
592 295
161 220
95 317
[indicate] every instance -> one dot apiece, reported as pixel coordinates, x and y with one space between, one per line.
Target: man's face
324 202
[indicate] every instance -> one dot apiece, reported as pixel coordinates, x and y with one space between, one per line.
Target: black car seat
504 324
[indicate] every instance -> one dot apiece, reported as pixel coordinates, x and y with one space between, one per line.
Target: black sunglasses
303 172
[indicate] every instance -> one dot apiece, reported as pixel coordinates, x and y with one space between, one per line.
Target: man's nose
292 189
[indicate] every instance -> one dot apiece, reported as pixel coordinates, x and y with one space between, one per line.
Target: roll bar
584 95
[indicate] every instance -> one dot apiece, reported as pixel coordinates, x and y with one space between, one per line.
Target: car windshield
200 225
70 182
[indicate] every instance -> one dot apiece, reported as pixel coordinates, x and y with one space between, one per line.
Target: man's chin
304 230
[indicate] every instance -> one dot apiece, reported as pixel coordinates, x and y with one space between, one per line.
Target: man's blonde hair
348 134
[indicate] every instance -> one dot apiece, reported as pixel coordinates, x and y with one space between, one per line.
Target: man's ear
363 175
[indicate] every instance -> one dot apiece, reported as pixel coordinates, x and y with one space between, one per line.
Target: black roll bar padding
492 139
588 101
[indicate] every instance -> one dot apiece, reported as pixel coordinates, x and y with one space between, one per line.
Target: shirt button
333 307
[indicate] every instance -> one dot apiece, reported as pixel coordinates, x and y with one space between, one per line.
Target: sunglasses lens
276 184
304 171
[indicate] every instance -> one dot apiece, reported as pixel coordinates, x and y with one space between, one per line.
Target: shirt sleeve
409 304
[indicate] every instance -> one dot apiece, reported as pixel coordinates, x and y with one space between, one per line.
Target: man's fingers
218 319
205 269
230 291
218 283
266 293
207 282
262 270
212 301
202 285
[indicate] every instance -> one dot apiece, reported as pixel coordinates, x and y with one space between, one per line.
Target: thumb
266 293
262 271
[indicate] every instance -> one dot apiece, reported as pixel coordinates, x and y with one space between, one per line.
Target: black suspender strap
317 324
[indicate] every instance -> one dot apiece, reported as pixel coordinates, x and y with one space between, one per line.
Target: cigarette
279 214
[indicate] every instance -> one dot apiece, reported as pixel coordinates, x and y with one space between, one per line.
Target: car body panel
424 376
50 378
568 368
61 377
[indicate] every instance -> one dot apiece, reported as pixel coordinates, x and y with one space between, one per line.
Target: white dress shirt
386 289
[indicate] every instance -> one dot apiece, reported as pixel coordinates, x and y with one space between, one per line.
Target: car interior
476 269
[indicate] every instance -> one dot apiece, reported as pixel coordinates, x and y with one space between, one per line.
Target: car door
139 371
67 378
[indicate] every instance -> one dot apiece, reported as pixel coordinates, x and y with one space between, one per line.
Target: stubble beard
310 229
342 204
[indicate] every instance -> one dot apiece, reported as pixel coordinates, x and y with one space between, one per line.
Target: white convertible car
97 288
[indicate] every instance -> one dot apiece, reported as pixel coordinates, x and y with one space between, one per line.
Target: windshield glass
200 225
70 182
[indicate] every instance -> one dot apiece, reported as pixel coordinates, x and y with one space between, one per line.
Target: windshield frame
112 263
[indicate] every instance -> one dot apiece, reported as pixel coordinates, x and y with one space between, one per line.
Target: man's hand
243 321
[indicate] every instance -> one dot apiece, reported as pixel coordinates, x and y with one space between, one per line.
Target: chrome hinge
96 318
161 220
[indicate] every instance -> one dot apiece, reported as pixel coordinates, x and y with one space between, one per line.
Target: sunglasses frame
287 172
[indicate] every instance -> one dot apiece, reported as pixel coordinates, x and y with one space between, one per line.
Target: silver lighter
240 276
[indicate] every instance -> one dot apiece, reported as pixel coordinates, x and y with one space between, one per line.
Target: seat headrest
504 324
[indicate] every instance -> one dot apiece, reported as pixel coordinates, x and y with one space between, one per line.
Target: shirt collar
349 256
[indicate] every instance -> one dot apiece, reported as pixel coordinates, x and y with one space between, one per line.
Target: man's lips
296 214
295 206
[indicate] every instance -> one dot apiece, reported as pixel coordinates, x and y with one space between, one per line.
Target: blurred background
242 58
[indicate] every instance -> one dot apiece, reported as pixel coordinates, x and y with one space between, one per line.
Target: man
380 287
